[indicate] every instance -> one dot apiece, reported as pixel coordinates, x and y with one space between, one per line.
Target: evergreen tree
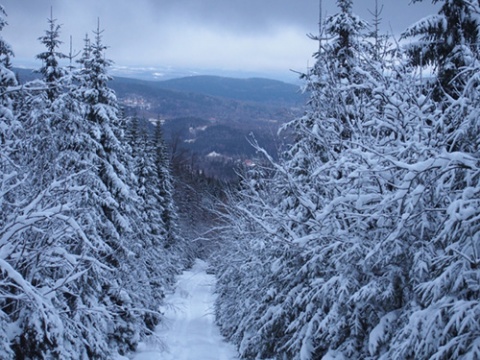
42 273
303 309
448 41
7 79
9 176
51 72
6 51
154 260
59 259
438 322
370 235
38 114
166 189
110 197
83 226
100 111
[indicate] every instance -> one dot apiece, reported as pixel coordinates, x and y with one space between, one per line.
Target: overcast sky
259 36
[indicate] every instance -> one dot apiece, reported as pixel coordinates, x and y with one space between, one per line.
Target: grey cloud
255 14
246 15
194 31
232 15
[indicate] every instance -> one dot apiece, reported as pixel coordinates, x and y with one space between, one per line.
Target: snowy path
190 332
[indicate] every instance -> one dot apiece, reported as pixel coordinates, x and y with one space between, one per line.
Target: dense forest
360 241
89 238
363 241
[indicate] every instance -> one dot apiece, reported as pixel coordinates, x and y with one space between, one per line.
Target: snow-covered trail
190 332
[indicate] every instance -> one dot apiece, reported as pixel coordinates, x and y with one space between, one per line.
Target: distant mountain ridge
205 115
250 89
209 97
260 90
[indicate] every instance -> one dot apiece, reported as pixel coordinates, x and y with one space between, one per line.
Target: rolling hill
258 90
210 118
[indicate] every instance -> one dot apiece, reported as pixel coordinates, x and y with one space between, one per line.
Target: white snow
214 154
189 332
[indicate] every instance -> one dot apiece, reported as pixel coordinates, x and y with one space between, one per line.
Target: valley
208 121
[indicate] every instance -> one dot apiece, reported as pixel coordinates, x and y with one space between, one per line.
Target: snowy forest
362 241
89 240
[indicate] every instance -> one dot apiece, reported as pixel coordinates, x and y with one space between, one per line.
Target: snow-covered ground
189 332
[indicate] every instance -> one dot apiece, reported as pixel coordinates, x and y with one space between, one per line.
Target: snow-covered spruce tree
159 263
441 319
6 51
275 323
166 189
448 41
110 199
44 276
246 285
358 211
39 273
69 257
51 71
7 79
85 319
313 281
36 157
388 211
379 226
329 197
35 106
119 192
394 205
57 261
9 178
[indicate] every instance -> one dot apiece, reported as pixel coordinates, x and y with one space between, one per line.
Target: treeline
88 229
363 241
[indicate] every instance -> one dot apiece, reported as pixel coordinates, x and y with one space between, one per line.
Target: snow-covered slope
189 332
